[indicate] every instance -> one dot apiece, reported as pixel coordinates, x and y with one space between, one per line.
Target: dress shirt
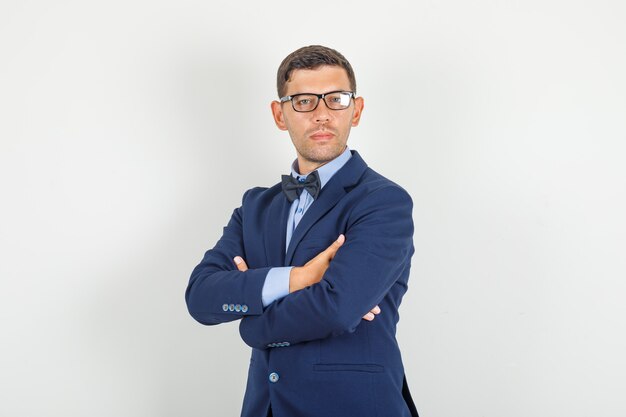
276 283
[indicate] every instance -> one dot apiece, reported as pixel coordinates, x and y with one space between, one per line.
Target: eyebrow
326 92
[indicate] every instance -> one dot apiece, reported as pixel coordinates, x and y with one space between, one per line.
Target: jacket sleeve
217 291
376 253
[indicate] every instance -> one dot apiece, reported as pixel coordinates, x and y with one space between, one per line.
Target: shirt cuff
276 285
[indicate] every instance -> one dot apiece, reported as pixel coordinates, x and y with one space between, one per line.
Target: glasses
335 100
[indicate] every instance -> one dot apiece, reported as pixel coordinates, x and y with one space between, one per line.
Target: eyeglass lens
308 102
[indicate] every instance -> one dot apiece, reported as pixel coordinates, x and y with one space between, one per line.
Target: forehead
319 80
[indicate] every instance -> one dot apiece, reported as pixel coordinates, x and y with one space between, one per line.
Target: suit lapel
329 196
327 199
275 244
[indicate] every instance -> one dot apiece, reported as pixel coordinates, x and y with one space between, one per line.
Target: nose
321 114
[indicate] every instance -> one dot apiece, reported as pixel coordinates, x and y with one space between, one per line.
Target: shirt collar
327 170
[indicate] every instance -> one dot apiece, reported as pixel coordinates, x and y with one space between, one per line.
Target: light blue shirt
276 283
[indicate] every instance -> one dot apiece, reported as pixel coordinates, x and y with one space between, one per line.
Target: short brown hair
311 57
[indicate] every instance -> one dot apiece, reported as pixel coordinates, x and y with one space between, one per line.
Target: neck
306 167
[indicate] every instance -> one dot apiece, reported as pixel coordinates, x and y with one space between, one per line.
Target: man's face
320 135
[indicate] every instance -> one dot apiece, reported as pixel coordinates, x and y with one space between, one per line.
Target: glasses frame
320 97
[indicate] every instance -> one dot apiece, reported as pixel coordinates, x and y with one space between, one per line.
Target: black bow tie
292 187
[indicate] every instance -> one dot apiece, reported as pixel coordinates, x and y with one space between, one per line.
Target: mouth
322 135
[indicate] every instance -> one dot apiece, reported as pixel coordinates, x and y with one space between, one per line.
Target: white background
130 129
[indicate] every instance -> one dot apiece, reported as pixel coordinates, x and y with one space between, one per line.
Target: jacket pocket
349 367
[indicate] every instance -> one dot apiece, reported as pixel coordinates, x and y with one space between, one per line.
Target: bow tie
293 188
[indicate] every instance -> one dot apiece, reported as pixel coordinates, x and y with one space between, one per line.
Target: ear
279 117
358 109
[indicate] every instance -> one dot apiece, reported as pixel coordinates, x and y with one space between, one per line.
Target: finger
332 249
241 264
375 310
369 316
329 253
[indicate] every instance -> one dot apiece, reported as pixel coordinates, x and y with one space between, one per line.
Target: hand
309 274
312 272
372 314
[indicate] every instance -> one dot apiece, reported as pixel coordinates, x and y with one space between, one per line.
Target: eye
303 101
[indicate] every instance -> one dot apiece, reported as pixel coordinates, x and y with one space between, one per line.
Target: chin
323 156
320 152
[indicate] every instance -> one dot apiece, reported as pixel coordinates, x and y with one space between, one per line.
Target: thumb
241 264
332 249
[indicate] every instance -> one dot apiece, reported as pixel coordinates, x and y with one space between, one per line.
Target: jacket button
244 308
237 307
274 377
225 307
231 307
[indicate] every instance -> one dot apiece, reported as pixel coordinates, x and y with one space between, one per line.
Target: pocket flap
352 367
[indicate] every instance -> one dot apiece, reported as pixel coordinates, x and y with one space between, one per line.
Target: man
315 266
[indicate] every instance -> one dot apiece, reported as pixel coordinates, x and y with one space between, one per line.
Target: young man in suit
315 267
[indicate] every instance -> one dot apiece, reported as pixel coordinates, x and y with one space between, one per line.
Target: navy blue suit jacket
312 353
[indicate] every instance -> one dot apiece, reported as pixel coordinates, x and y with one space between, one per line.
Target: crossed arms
376 253
312 272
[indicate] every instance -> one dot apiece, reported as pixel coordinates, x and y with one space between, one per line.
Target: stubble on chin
321 155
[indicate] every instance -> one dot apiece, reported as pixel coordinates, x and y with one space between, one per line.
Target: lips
322 135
